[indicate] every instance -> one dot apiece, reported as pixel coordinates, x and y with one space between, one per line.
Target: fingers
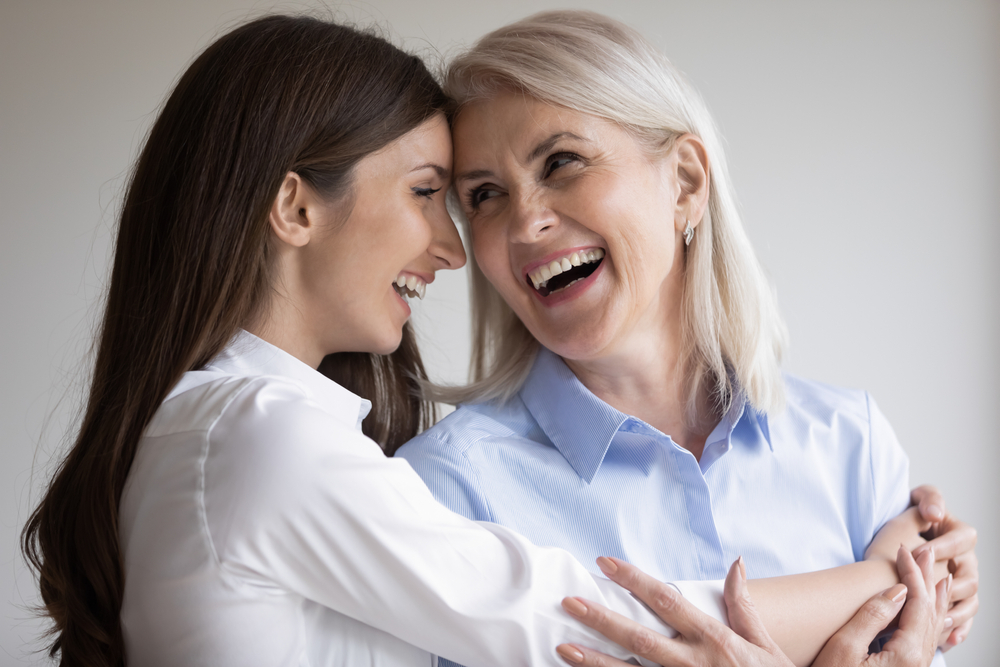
955 538
581 655
959 634
633 637
665 600
929 501
743 616
850 645
965 568
922 618
961 613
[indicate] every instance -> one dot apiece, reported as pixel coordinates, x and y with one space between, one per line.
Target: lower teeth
405 292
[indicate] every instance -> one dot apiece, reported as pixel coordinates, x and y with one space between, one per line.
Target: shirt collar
582 426
578 423
249 356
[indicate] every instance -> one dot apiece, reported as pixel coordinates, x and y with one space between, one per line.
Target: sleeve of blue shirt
448 474
890 470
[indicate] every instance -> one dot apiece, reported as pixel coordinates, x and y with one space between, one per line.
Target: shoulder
270 427
825 401
471 426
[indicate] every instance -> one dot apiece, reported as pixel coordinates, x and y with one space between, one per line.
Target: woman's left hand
913 642
954 541
702 640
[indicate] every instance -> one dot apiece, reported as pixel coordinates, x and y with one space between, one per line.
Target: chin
387 344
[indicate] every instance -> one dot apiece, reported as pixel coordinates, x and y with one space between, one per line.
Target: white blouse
260 527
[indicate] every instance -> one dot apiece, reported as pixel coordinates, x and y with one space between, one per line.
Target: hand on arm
701 640
921 620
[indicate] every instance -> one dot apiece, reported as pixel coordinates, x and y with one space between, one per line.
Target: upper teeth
414 286
541 275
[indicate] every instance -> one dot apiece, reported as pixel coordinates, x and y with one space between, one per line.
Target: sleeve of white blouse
303 501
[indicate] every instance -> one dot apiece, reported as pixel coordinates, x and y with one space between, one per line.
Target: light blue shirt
797 491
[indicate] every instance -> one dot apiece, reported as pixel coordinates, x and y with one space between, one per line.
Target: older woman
628 397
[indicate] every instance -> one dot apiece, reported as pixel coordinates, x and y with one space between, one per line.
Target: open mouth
409 286
563 272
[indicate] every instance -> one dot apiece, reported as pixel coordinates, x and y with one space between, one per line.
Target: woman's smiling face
351 277
574 223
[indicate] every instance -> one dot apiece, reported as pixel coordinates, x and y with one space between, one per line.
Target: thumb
743 617
850 644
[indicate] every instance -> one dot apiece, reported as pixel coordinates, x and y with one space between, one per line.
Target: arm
316 509
704 641
802 611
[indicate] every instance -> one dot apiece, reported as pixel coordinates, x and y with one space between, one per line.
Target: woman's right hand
702 641
924 607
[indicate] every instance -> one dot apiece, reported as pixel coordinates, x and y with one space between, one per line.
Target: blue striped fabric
798 491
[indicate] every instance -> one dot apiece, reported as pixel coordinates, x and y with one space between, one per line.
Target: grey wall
864 141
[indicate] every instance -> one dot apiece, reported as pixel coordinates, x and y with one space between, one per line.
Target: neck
285 327
644 377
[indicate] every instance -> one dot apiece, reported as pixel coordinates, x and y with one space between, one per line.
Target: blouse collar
250 356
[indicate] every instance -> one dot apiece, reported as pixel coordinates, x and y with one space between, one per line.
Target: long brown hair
193 264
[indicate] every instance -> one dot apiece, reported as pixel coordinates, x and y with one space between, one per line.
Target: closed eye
426 192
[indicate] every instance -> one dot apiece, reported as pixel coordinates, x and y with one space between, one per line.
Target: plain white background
865 147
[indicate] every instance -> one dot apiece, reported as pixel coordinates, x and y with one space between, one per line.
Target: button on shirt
802 490
260 527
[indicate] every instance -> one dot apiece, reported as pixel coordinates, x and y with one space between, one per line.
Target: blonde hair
733 334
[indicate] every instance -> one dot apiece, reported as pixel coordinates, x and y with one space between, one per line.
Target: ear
693 177
289 217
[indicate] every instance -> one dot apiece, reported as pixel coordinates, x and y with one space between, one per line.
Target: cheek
491 256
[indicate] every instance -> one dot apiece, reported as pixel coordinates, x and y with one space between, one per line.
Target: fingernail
743 569
934 511
949 621
896 593
575 607
608 566
569 653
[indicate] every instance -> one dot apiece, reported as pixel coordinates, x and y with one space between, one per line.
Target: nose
531 217
446 245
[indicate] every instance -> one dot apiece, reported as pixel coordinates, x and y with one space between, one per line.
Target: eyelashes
426 192
559 160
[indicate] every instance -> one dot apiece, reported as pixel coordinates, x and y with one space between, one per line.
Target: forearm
802 611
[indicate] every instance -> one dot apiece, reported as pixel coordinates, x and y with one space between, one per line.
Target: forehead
514 119
427 144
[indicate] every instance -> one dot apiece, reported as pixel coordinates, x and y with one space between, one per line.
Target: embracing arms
798 614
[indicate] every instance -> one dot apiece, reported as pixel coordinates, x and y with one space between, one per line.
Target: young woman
220 505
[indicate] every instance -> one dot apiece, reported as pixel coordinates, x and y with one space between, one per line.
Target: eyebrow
539 150
441 171
544 147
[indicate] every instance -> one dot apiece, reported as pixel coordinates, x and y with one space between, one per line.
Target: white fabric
260 527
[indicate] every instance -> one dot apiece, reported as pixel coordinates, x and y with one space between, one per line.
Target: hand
701 641
922 619
954 541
